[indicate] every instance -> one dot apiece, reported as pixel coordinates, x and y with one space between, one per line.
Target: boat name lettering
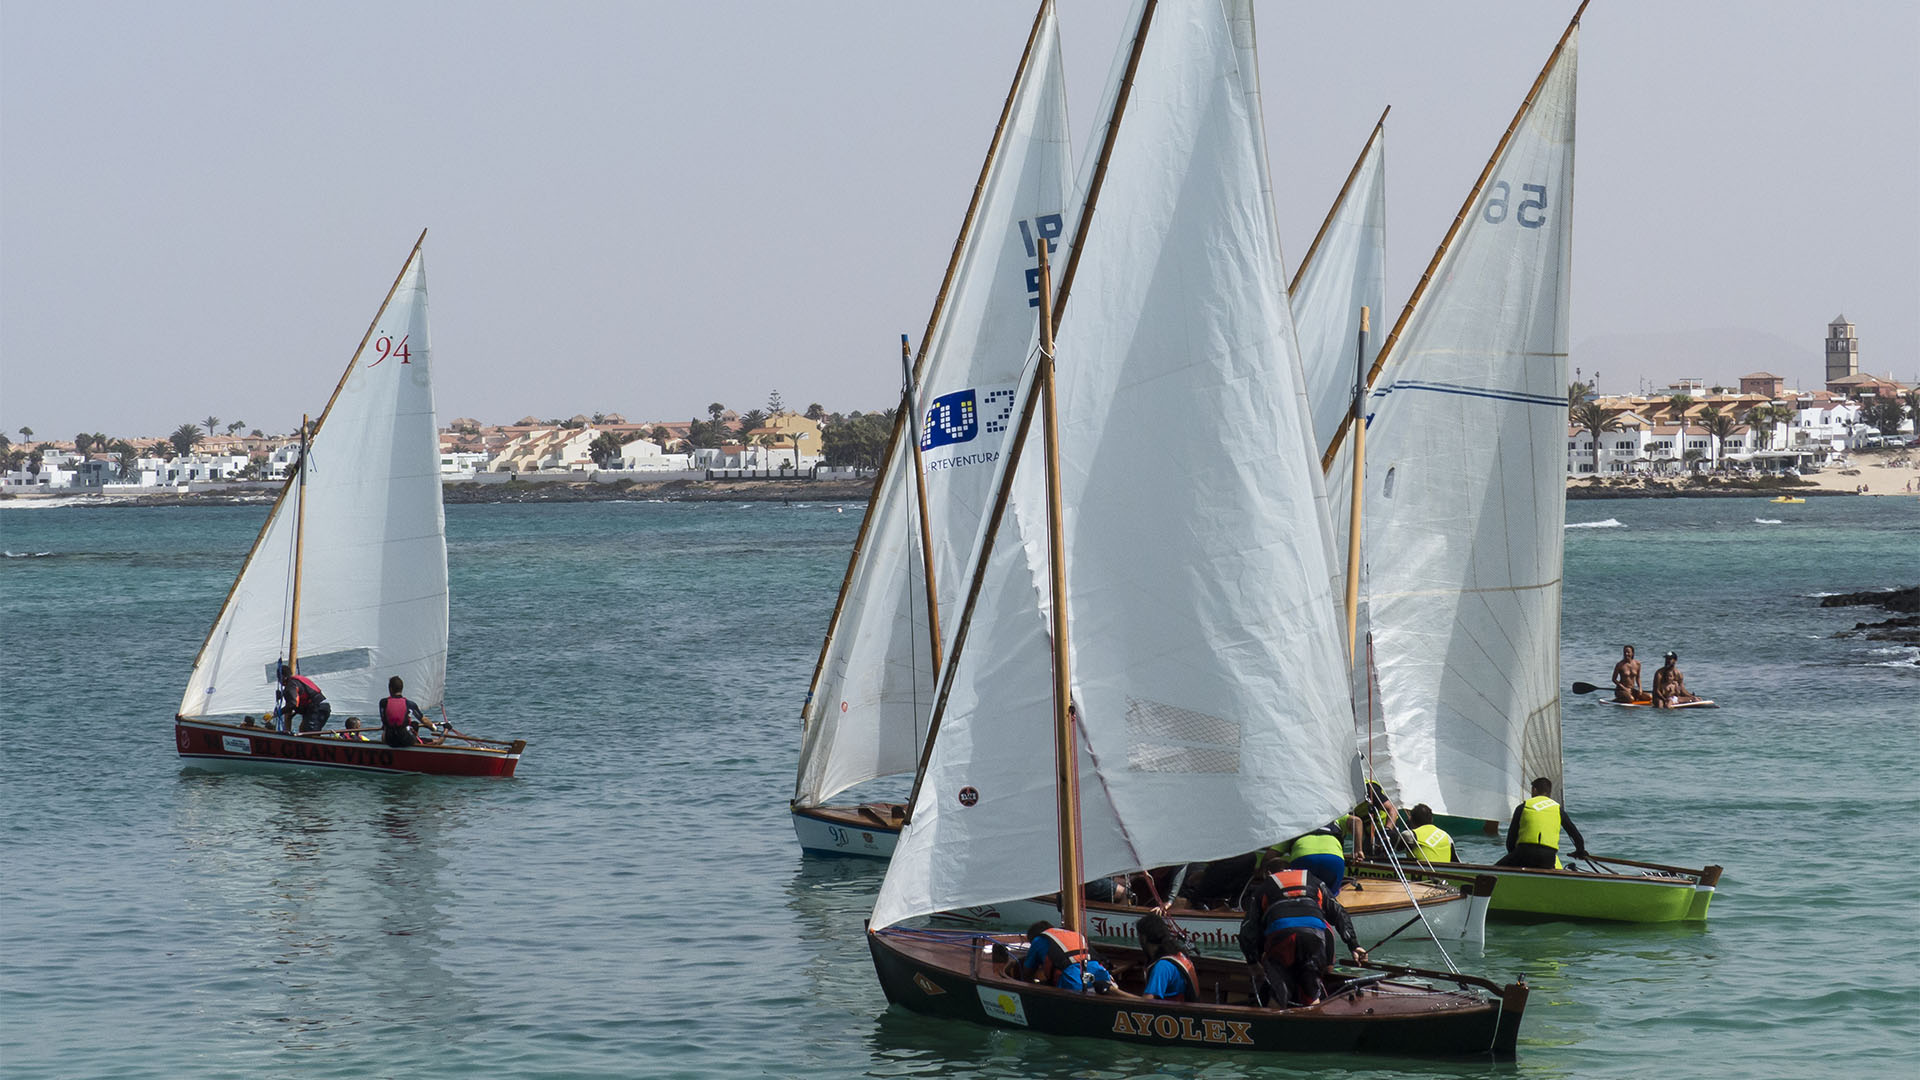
335 754
1207 933
1183 1028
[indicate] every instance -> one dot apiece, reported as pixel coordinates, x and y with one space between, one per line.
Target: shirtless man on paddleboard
1626 677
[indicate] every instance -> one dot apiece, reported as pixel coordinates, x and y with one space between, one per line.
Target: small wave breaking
1610 523
1769 521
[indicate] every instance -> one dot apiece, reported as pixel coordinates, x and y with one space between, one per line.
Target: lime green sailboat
1453 457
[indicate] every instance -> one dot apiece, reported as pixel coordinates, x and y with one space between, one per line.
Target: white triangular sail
1345 271
867 713
1210 691
1465 489
374 562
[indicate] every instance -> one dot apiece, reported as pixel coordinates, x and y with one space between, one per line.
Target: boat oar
1585 688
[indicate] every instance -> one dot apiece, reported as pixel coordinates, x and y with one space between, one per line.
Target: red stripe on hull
220 746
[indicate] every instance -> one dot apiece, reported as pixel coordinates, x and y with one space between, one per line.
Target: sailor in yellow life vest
1431 843
1321 853
1371 823
1533 837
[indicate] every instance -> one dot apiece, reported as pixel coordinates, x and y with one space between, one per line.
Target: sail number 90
1535 204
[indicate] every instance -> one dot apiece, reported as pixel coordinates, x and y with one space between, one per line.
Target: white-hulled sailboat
1167 602
867 711
346 583
1464 508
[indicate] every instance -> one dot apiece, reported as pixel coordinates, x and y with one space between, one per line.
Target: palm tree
236 426
12 460
82 443
605 447
186 436
1759 420
210 423
1597 422
1578 392
1719 425
26 434
125 456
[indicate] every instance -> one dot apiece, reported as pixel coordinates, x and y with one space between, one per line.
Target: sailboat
1152 676
866 713
1464 502
346 583
1344 265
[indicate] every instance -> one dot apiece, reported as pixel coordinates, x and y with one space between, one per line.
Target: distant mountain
1716 357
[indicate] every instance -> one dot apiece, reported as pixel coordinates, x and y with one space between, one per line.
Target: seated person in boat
1626 677
1533 836
300 696
353 732
1060 958
1371 823
1287 935
1669 686
1431 843
1170 976
400 719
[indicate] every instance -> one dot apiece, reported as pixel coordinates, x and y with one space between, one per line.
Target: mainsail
867 712
1465 489
374 564
1210 692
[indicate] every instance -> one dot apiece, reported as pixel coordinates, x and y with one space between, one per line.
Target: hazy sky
645 207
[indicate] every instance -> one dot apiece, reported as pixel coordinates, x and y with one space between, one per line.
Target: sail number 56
1531 212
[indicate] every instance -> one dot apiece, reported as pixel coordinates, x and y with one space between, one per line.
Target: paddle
1586 688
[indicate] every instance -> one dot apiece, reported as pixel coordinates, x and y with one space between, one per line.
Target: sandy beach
1878 472
1882 472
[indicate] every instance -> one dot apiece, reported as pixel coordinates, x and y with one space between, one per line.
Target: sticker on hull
1002 1005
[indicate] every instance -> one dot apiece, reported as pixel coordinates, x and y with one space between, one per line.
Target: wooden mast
299 539
1327 222
926 526
1358 417
1066 756
905 417
978 576
1459 219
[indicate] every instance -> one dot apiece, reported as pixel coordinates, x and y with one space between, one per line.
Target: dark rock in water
1905 630
1903 600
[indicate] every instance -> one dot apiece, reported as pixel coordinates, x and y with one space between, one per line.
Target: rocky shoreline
1903 629
540 491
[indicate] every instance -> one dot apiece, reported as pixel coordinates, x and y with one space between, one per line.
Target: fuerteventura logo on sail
962 417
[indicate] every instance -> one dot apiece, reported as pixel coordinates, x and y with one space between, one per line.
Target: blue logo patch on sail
952 418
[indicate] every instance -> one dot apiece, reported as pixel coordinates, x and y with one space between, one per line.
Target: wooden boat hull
1667 894
1453 912
952 976
210 744
869 829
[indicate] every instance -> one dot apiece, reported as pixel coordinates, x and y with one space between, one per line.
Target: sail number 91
1535 205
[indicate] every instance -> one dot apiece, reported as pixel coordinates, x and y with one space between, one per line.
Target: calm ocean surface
634 903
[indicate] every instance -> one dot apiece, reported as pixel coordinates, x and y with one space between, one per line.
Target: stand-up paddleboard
1697 703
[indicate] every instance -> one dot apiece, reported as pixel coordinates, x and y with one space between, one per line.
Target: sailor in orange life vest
400 719
1533 836
1171 976
1060 958
300 696
1287 935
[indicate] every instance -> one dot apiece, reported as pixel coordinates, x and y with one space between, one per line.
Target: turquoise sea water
634 903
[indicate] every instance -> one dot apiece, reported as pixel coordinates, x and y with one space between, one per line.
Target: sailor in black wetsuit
1287 934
